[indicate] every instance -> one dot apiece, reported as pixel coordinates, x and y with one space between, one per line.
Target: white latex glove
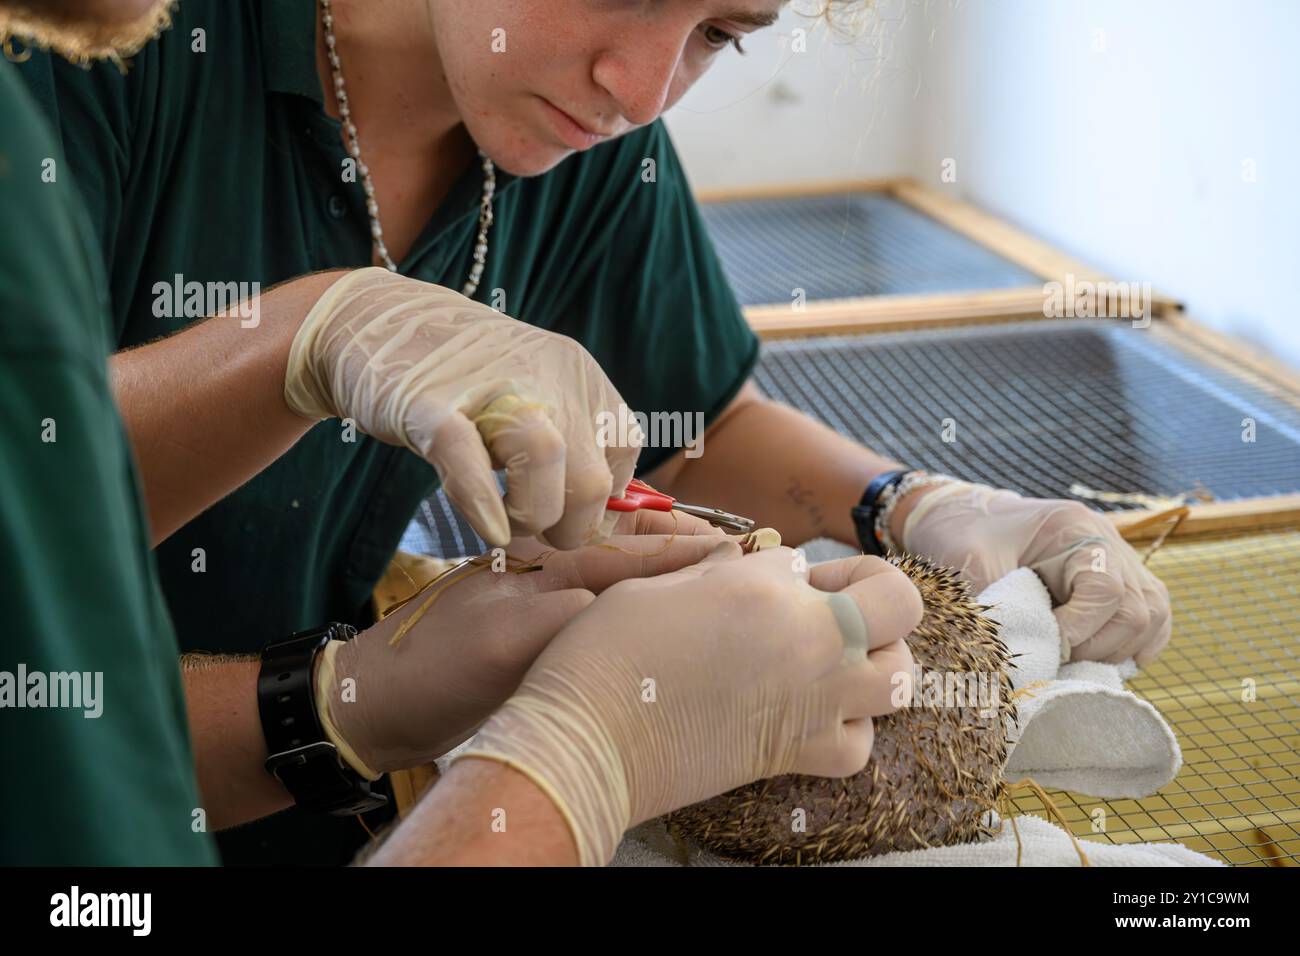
1110 608
467 388
669 690
407 704
663 523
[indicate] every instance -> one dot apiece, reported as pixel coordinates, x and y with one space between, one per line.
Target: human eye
718 38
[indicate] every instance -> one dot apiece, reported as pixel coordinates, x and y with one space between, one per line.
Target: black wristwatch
301 757
864 515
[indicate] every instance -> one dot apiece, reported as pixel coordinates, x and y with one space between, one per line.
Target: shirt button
337 207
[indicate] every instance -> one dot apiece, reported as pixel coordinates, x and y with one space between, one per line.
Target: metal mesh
1038 406
1035 407
1236 602
848 245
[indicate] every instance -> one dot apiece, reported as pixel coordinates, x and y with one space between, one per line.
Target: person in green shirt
91 704
108 776
255 143
92 713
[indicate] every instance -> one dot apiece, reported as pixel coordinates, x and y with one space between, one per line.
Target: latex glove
1110 607
673 689
662 523
389 707
467 389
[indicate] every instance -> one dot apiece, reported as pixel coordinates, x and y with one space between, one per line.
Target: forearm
204 408
229 748
778 466
481 813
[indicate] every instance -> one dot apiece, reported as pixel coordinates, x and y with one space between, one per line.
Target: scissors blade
717 517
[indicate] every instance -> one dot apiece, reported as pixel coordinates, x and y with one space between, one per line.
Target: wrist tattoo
804 498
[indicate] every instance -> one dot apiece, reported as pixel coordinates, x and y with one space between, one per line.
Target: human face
536 81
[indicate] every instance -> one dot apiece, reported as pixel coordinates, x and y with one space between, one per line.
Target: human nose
639 75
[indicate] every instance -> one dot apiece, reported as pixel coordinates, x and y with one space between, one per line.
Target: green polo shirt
213 160
106 777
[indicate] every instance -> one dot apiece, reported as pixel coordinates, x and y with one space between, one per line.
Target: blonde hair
846 16
33 25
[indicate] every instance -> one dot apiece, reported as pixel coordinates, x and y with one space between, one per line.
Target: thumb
626 556
725 551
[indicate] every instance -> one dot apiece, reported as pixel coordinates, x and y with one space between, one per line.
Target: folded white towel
1079 728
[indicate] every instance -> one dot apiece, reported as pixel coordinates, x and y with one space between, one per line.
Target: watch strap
864 513
301 757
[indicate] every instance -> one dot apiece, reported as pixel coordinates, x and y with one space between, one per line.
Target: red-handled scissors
641 497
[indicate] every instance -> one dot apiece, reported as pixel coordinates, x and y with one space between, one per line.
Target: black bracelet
864 515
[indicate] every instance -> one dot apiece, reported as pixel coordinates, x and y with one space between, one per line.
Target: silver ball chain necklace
372 206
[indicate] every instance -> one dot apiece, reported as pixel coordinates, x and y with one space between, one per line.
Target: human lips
572 132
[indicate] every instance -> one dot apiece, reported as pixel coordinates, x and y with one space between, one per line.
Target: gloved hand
669 690
662 523
1110 606
389 707
467 388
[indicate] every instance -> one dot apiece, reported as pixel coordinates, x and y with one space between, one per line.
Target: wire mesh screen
1034 406
1229 685
848 245
1039 406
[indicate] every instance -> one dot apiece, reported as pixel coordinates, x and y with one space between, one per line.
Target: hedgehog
936 765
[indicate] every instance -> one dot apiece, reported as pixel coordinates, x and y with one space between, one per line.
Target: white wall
836 110
1123 131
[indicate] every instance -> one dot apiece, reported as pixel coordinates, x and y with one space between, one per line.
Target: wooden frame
1217 517
893 312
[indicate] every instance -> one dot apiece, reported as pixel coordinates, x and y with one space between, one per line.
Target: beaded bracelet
894 494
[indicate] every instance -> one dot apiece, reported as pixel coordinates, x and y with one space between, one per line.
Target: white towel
1040 844
1079 728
